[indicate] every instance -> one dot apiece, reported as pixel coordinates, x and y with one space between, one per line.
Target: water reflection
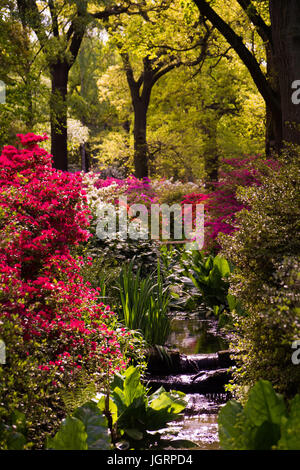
195 336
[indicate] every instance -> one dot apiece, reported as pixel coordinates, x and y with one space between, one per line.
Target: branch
243 52
30 16
158 73
107 13
133 85
54 18
262 28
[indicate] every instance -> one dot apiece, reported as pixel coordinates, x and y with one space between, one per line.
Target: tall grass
144 304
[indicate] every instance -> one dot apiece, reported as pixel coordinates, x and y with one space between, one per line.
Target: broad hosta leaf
133 388
227 420
118 381
163 408
167 400
95 426
264 404
223 266
266 436
290 427
71 436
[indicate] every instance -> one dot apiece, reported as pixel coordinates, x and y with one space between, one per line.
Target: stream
201 373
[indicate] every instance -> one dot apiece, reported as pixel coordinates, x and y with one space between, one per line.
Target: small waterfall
201 373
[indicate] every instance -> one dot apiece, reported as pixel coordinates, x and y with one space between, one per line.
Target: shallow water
195 336
199 423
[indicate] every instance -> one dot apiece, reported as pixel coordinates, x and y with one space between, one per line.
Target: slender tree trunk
58 115
140 139
211 155
285 17
30 113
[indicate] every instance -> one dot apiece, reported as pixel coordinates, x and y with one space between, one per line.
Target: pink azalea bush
222 204
67 337
137 191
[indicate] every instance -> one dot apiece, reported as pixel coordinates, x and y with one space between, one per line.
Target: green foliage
86 429
290 427
262 424
102 272
26 393
76 398
71 436
209 275
30 392
133 413
138 412
13 435
266 254
145 303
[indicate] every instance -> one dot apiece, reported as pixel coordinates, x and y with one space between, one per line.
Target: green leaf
19 420
222 265
134 434
71 436
155 394
266 436
16 441
182 444
231 302
119 400
95 426
227 420
168 401
133 388
290 427
264 404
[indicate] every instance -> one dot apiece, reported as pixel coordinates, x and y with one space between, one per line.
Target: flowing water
193 335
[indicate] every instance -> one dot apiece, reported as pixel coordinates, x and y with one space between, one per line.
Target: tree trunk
58 115
273 134
270 95
211 156
140 139
285 17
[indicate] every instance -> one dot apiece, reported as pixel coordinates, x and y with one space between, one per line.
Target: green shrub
85 429
209 275
131 412
144 304
264 423
25 389
135 412
266 254
13 435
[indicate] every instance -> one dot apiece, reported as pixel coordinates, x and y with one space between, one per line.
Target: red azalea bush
64 337
222 205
